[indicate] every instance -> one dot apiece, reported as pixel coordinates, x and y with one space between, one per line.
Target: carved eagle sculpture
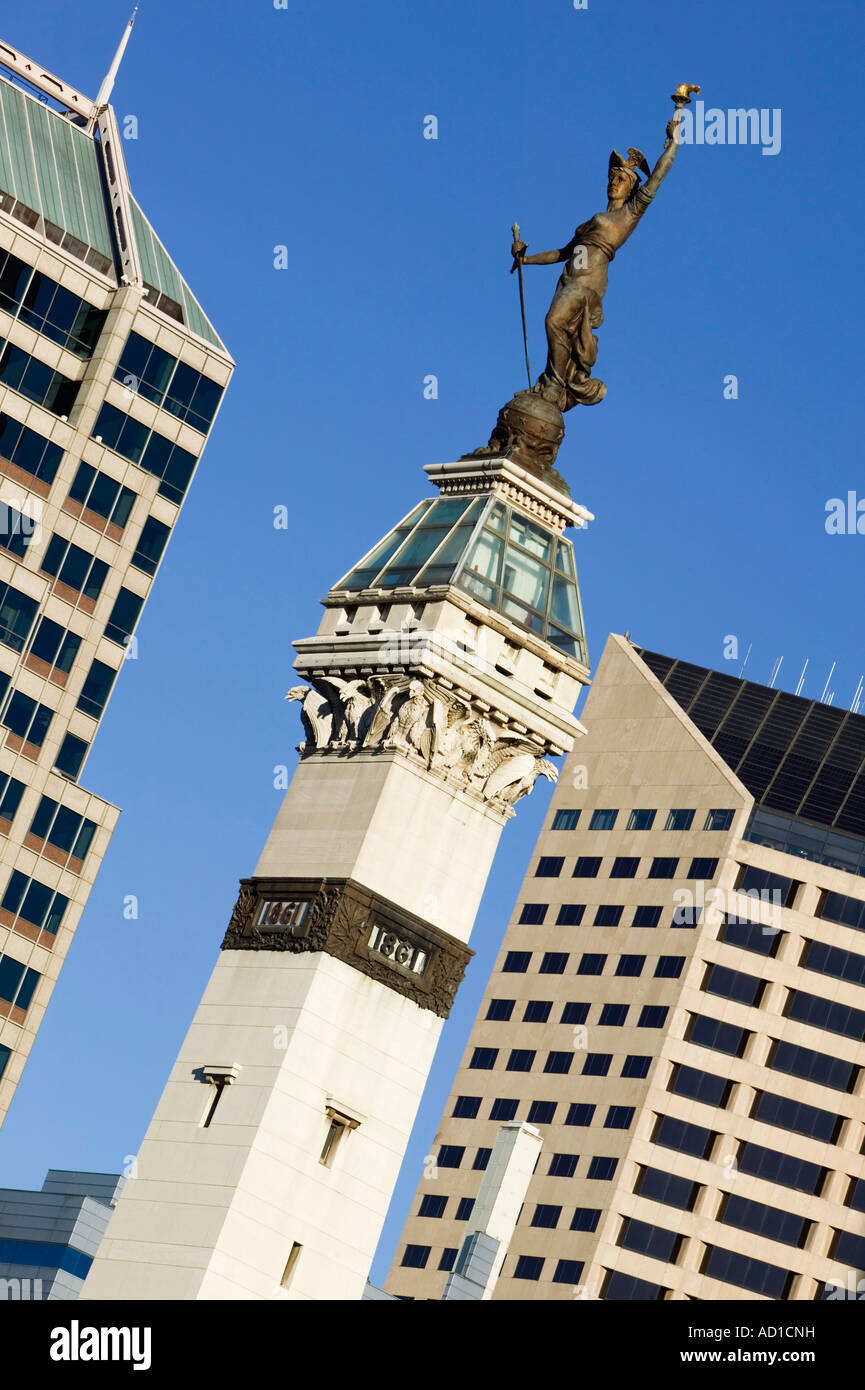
349 702
315 715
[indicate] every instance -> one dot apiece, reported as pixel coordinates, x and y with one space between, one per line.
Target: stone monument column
438 688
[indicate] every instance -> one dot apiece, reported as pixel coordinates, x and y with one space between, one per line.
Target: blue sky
303 127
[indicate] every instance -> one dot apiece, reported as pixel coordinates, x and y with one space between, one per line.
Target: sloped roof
53 167
796 756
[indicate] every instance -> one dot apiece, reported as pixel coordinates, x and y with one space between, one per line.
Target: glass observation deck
490 551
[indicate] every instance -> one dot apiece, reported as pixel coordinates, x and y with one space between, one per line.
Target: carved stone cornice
375 936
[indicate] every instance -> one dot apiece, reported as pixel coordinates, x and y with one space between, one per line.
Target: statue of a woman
577 309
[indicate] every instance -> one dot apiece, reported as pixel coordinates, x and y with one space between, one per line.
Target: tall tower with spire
110 379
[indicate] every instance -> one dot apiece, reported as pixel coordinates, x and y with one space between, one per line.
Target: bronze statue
530 427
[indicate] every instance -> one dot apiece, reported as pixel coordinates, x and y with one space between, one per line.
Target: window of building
636 1066
96 689
542 1112
565 1165
585 1219
553 963
537 1010
27 719
17 612
619 1117
17 530
608 915
654 1241
37 382
56 647
29 901
587 866
703 868
796 1116
533 914
549 866
96 492
29 451
528 1267
516 962
448 1258
630 965
290 1265
646 916
700 1085
559 1062
780 1168
339 1125
500 1010
432 1206
679 820
849 912
60 315
450 1155
603 1169
565 820
627 1288
546 1216
11 791
663 867
641 820
721 1037
71 755
465 1208
568 1272
824 1013
466 1107
148 449
17 985
591 964
684 1138
416 1256
849 1249
855 1192
832 960
652 1016
603 820
150 545
667 1188
124 616
624 866
613 1015
574 1013
750 936
719 820
597 1063
483 1058
5 1054
766 886
482 1158
669 967
63 828
745 1272
74 567
521 1059
570 915
733 984
503 1109
813 1066
686 916
166 382
580 1114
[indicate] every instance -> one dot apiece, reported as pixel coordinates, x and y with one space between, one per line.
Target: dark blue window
466 1107
565 820
559 1062
500 1010
537 1010
721 1037
780 1168
733 984
448 1258
570 915
541 1112
432 1206
613 1015
619 1117
591 964
549 866
546 1216
796 1116
521 1059
703 868
528 1267
608 916
533 913
719 820
416 1256
603 820
586 1219
669 967
603 1168
646 916
624 867
450 1155
597 1063
761 1220
636 1066
580 1114
663 867
628 1288
587 866
700 1085
813 1066
565 1165
679 820
575 1013
553 963
667 1188
517 962
746 1272
503 1109
653 1241
641 820
652 1016
850 912
568 1272
824 1013
630 965
465 1208
484 1058
684 1138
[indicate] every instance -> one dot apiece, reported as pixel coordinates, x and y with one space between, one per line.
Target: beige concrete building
678 1006
110 378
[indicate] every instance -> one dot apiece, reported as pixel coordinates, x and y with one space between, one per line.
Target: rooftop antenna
774 676
108 84
857 698
826 686
802 677
745 662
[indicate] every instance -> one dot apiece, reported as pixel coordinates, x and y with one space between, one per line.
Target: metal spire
108 84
